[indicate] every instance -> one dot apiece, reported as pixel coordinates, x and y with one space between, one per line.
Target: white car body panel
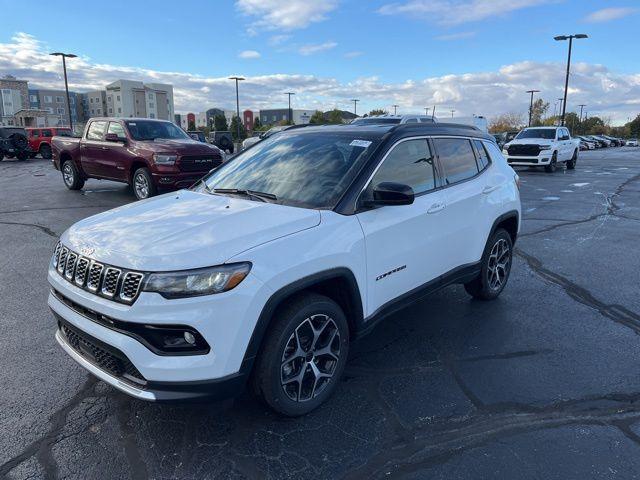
564 149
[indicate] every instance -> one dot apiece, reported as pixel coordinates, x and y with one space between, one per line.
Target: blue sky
410 52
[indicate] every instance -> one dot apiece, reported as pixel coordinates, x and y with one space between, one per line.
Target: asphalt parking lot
542 383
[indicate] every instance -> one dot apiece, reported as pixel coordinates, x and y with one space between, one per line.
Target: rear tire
571 164
553 164
495 267
22 156
71 176
45 151
142 184
303 355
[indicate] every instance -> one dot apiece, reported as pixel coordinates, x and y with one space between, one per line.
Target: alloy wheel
67 174
499 264
141 186
310 358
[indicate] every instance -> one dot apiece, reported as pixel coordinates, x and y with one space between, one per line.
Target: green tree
506 122
572 121
220 123
317 118
377 111
235 121
538 111
191 125
335 117
257 123
593 126
634 127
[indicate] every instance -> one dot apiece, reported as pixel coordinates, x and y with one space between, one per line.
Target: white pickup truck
544 147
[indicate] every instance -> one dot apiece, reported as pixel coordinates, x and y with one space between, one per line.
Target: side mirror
112 137
391 193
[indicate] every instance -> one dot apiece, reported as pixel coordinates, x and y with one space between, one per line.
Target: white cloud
606 93
456 36
456 12
316 48
608 14
354 54
276 40
285 14
249 54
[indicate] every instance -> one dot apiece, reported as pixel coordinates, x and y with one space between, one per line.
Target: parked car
632 142
586 143
543 146
604 142
254 276
393 119
256 138
615 142
40 139
223 140
14 143
505 137
197 135
150 155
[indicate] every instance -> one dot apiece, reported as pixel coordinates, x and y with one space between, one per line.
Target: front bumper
530 161
225 320
176 181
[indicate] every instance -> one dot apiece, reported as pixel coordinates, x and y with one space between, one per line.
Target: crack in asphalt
42 447
617 313
137 465
440 442
42 228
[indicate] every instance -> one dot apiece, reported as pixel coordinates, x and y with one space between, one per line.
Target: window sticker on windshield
360 143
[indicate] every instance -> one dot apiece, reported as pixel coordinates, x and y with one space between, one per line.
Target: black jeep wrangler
14 143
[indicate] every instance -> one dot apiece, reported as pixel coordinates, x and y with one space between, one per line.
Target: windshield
150 130
374 121
310 170
546 133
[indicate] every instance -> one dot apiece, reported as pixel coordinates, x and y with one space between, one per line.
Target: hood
184 230
185 146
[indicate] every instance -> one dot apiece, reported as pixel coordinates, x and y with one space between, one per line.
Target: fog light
189 338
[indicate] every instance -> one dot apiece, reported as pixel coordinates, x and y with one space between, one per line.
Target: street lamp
426 111
66 85
290 113
355 105
395 109
582 105
452 112
561 38
433 113
531 103
237 79
561 110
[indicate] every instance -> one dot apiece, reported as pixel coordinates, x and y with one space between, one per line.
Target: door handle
436 207
489 189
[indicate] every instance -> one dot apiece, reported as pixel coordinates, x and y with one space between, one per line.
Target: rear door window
96 130
46 133
457 159
35 133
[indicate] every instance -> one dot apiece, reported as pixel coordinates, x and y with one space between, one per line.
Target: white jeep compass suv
267 269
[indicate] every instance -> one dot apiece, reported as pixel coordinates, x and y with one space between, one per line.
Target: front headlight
192 283
162 159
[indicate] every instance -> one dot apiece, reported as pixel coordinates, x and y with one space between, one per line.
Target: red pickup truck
40 139
150 155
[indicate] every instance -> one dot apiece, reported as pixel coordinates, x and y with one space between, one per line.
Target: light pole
237 79
395 109
290 113
452 112
561 38
66 85
561 111
355 105
433 113
582 105
531 104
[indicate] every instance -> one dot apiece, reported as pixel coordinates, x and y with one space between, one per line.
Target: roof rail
438 125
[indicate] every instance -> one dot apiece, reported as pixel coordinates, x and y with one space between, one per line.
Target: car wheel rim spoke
310 357
498 264
142 187
67 173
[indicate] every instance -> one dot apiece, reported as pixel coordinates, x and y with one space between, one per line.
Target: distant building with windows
277 115
14 96
128 98
54 102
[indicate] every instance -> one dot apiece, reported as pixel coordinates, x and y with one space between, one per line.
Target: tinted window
546 133
64 133
96 130
46 133
302 169
410 163
412 120
494 152
116 128
457 158
483 156
149 130
35 133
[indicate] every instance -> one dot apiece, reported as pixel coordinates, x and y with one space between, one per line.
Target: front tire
45 151
142 183
495 267
553 164
71 176
571 164
303 356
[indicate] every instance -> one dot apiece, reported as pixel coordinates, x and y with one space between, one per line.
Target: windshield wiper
262 196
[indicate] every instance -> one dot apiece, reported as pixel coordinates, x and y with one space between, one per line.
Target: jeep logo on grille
87 250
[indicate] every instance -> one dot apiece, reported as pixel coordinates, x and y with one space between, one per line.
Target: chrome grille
130 286
69 269
95 272
81 271
106 281
110 281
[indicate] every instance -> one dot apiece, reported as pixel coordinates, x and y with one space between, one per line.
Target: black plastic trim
502 218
